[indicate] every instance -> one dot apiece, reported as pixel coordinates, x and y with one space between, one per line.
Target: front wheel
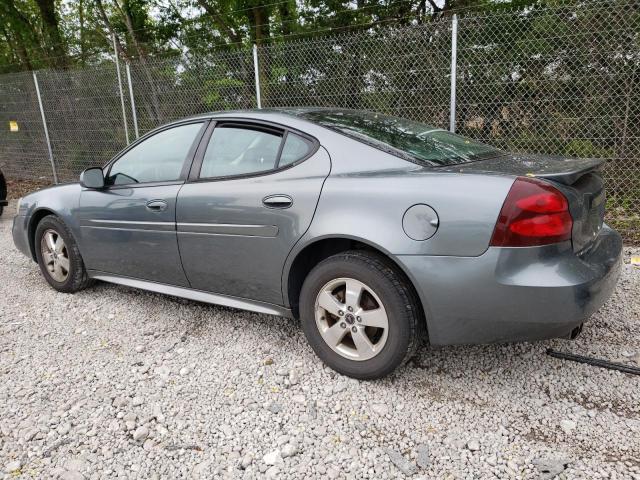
59 257
359 315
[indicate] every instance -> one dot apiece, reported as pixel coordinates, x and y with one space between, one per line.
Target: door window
235 150
157 159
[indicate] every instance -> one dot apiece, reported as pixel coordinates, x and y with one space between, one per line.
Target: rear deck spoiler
574 169
559 169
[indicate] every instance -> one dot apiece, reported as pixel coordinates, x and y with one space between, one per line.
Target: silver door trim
269 231
192 294
130 222
129 225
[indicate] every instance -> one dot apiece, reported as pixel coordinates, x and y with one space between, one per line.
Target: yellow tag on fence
13 126
635 261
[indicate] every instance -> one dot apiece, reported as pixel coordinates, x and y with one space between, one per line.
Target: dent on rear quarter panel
371 206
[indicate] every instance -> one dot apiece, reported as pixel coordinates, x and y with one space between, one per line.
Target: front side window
413 141
238 150
157 159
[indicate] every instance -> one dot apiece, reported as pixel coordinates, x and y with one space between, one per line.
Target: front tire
360 315
59 257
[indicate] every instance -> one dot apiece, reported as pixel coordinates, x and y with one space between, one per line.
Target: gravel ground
113 382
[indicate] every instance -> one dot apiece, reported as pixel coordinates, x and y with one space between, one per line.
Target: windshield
413 141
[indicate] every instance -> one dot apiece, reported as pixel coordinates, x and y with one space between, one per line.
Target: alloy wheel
351 319
55 255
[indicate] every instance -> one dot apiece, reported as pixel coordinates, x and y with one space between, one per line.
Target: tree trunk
83 59
105 19
19 48
20 31
52 33
288 17
155 103
223 24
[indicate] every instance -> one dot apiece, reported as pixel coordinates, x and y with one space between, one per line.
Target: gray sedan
375 231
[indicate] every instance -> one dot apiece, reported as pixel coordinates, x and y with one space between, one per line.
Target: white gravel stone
473 445
333 473
71 475
380 408
12 466
75 396
64 429
272 472
273 458
568 425
423 458
141 433
404 465
289 450
246 461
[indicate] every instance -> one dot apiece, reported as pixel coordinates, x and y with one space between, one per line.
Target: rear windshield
413 141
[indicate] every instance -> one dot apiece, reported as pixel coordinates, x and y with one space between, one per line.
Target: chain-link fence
561 81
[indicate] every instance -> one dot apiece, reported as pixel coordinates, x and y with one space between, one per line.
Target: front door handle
157 205
277 201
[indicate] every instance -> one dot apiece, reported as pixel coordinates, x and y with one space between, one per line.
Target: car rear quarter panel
360 204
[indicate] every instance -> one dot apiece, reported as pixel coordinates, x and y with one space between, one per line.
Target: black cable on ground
596 362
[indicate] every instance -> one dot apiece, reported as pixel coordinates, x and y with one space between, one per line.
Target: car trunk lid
580 180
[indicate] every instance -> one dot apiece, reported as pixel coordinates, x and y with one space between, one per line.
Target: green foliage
586 149
215 97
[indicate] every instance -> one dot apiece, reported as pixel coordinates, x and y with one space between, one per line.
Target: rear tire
372 322
59 257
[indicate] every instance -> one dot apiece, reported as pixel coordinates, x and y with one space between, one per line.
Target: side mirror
92 178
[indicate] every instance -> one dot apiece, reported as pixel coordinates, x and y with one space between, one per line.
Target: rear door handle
277 201
157 205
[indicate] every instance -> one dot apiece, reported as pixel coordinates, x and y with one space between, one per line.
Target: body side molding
270 231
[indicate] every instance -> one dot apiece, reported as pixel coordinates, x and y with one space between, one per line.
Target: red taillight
534 213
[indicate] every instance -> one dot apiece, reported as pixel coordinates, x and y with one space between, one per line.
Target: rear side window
159 158
240 151
295 148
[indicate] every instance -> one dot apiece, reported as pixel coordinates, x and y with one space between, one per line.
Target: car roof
264 113
289 117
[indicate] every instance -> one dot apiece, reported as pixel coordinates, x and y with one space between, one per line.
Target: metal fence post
133 102
124 112
46 130
454 68
257 75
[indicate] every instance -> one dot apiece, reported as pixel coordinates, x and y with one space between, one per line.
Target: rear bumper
20 232
514 294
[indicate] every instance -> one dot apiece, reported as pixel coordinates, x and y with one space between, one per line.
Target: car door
128 228
251 195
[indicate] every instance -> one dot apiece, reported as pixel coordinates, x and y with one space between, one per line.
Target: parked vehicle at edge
3 193
377 232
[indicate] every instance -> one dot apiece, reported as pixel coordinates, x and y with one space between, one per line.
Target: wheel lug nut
354 329
343 325
340 312
359 319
